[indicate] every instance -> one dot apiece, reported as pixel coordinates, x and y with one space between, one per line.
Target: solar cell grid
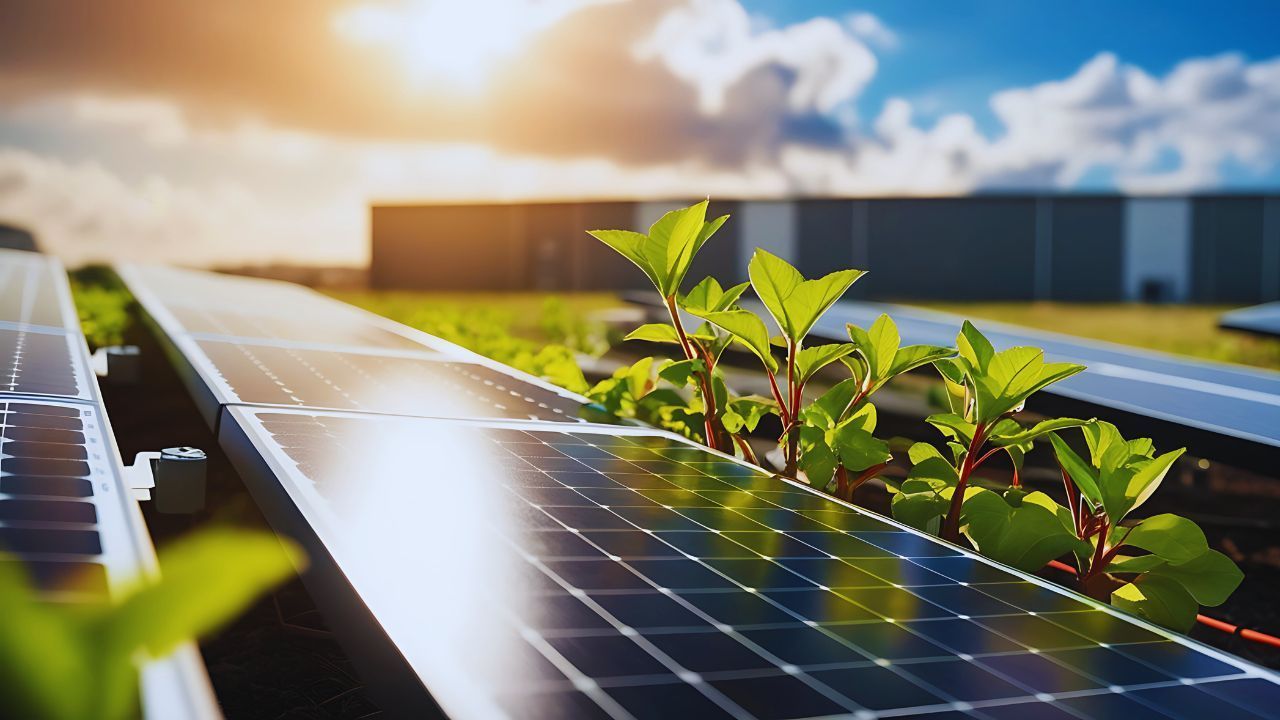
431 386
38 361
48 512
720 594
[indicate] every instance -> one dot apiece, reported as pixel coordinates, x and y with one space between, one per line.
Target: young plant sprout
1177 573
830 442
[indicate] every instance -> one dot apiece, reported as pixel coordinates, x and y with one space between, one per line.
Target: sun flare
457 43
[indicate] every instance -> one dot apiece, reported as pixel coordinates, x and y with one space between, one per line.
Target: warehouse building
1204 249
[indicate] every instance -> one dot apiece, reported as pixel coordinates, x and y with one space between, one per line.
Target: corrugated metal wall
1222 249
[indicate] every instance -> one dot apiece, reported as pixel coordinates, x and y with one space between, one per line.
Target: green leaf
46 665
914 356
795 303
774 280
707 296
1080 472
678 232
812 359
922 451
1134 564
920 510
857 448
935 472
953 379
751 410
1210 578
748 330
877 345
1024 436
974 348
655 332
679 373
1148 478
1011 376
1160 600
817 459
1169 536
205 580
833 402
1026 535
633 246
953 426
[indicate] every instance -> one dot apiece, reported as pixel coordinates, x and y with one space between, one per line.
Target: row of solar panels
65 511
481 550
1261 320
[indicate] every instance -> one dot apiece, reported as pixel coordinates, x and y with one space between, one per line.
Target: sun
457 43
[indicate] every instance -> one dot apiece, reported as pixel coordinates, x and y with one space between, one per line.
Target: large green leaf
1025 535
677 232
1013 375
747 412
914 356
1210 578
832 403
920 510
857 448
795 303
748 330
1147 478
953 426
817 459
635 247
1160 600
1169 536
206 579
812 359
1001 439
46 665
974 348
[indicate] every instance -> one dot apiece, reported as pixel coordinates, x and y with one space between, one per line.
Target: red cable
1226 627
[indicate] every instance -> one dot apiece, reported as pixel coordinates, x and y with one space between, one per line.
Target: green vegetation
1182 329
546 343
87 653
102 303
830 442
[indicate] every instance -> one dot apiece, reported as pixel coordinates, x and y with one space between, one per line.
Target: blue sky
248 131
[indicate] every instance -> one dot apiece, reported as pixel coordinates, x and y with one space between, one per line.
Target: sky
246 132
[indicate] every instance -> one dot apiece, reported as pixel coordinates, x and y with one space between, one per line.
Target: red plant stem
793 436
704 378
1099 560
862 395
747 452
1244 633
777 397
1017 477
1073 499
951 525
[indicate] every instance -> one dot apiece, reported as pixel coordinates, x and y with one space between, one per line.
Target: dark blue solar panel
653 570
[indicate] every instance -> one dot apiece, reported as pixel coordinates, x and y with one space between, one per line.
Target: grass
529 315
1180 329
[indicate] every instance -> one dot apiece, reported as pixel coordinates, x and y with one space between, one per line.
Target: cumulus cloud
225 139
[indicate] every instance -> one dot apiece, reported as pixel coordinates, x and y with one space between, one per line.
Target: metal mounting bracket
174 479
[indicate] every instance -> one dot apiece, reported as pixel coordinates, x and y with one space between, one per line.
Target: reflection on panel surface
205 303
555 572
379 383
38 362
29 290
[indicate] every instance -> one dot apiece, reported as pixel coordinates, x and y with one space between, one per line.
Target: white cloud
869 28
715 44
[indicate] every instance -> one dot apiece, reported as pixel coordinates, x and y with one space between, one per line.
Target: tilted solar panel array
530 569
65 512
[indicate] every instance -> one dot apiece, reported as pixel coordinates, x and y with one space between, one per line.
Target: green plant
830 441
665 255
1175 571
102 302
88 653
985 389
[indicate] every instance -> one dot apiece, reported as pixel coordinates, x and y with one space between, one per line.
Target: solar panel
1228 401
539 570
1260 319
65 512
306 365
206 304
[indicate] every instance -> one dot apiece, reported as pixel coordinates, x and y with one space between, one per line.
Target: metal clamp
118 364
173 478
